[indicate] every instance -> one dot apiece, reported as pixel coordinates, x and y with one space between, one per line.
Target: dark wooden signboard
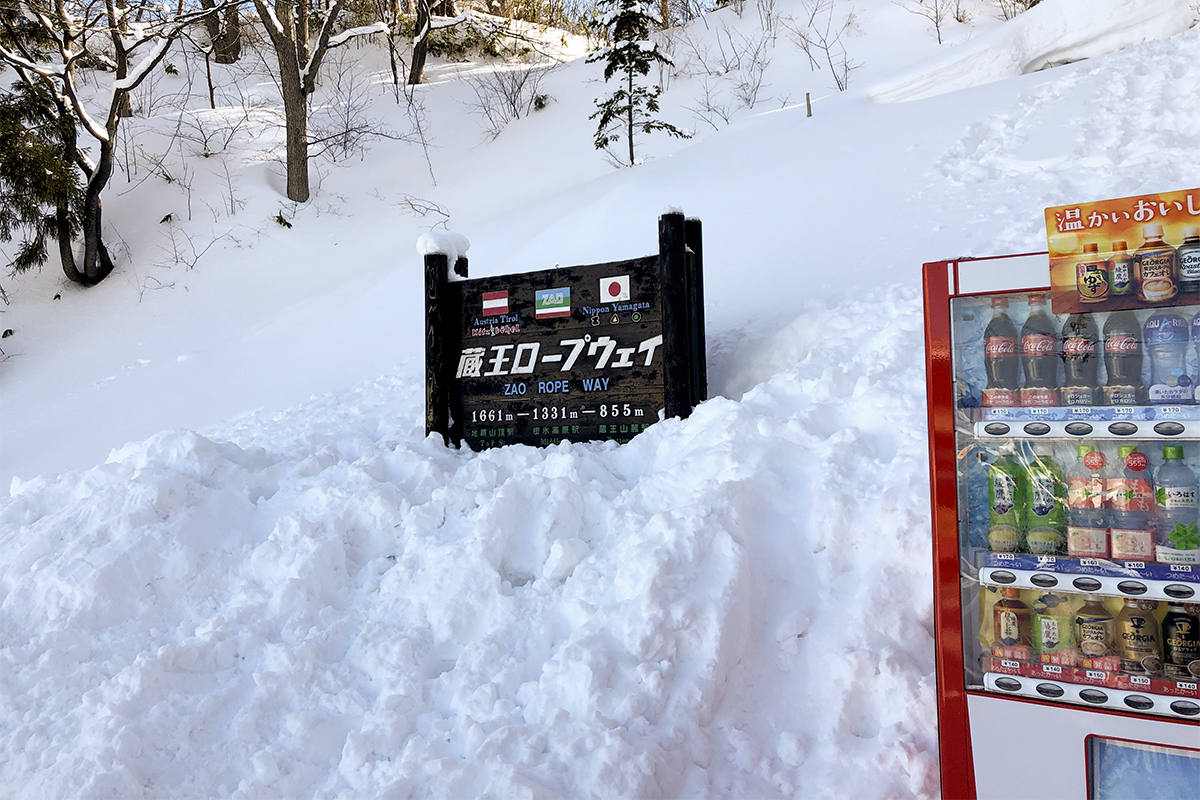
578 353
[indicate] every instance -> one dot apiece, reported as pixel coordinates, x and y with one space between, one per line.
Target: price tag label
1181 568
1135 565
1140 680
1187 686
1089 562
1171 410
1010 664
1052 669
1095 675
1123 411
1038 412
1081 411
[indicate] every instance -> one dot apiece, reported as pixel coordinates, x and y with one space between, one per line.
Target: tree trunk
629 130
228 46
225 34
96 262
420 44
295 113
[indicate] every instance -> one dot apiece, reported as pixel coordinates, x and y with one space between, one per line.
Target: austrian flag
495 303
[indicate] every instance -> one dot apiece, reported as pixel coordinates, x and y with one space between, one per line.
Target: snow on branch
364 30
139 71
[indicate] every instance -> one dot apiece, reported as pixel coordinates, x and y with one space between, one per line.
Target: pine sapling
631 109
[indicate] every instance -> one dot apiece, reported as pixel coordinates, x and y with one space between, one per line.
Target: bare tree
935 11
299 55
1010 8
504 95
819 32
90 32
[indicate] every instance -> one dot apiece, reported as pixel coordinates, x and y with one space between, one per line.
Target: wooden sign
581 353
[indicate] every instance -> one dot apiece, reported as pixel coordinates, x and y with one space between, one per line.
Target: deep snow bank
323 602
1052 32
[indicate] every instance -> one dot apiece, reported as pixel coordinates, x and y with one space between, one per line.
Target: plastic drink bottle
1045 503
1196 340
1006 503
1166 340
1138 641
1000 358
1155 270
1012 625
1121 266
1123 359
1188 256
1181 643
1039 355
1087 506
1092 279
1081 361
1094 631
1175 539
1132 498
1054 630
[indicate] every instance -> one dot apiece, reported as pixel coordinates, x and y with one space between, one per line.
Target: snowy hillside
232 565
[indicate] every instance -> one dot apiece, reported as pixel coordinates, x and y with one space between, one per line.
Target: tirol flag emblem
495 303
552 303
614 290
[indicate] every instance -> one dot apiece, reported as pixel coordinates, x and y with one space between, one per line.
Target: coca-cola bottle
1080 360
1039 355
1123 359
1000 358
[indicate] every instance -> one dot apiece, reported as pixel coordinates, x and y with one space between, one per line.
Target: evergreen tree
631 108
40 189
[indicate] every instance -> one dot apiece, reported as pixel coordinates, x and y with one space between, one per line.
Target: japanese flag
614 289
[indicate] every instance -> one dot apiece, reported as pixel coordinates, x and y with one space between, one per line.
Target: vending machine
1064 457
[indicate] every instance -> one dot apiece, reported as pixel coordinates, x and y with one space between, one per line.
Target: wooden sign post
581 353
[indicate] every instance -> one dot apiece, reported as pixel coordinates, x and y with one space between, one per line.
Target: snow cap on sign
452 245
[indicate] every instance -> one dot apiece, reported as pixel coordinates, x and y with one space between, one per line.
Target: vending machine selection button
1122 429
1078 428
1086 584
996 428
1178 591
1003 576
1037 429
1185 707
1139 702
1044 580
1131 587
1094 696
1008 684
1050 690
1168 429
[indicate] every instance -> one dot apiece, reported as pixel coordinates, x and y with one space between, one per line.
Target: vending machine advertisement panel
1064 458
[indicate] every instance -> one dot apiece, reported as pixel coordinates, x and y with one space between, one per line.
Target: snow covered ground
231 564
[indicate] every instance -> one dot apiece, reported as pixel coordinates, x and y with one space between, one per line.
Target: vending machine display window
1065 461
1123 770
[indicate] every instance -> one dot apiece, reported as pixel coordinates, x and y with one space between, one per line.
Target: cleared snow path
322 602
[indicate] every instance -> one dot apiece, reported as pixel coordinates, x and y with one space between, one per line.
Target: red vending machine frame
961 765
